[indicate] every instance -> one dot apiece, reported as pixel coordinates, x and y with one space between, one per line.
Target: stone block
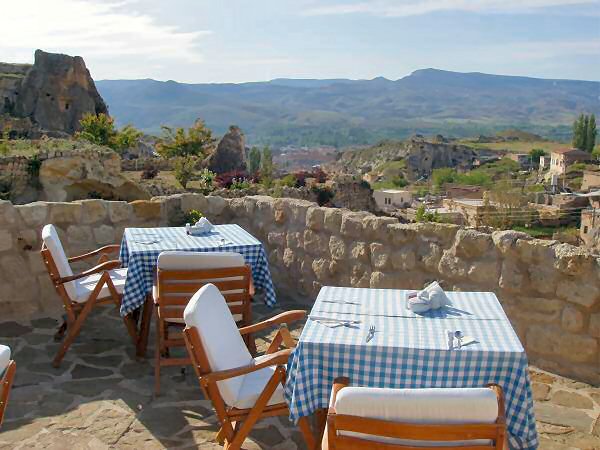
512 278
380 255
484 272
337 247
119 211
6 240
276 238
359 251
28 239
377 227
34 214
578 348
506 240
80 236
294 239
36 263
543 279
65 213
402 233
535 250
452 267
430 255
333 220
351 225
572 400
197 202
314 243
360 276
595 329
8 214
380 280
472 244
146 210
543 339
581 293
404 259
315 218
288 257
104 235
540 391
320 267
572 319
93 211
572 260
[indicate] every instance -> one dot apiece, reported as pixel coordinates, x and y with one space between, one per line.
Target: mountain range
349 112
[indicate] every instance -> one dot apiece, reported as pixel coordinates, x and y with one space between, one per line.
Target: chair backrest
59 259
181 274
400 418
221 344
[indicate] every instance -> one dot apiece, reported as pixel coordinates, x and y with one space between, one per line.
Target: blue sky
243 40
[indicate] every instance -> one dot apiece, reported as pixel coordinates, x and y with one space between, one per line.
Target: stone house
591 180
392 198
471 209
589 230
544 162
563 158
523 159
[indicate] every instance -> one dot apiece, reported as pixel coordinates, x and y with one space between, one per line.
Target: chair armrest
283 318
338 384
96 269
274 359
113 248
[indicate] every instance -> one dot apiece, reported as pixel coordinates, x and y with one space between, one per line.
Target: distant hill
349 112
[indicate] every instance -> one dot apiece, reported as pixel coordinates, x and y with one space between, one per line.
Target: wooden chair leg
220 437
60 332
5 386
321 421
130 325
145 326
73 332
252 418
309 438
157 356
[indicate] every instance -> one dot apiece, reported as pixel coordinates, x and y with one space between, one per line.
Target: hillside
346 112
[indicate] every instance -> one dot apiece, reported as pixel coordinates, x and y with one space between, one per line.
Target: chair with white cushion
179 276
100 285
382 418
242 389
7 375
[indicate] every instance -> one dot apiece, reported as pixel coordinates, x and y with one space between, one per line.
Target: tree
254 160
100 129
536 154
591 134
579 132
184 169
266 168
197 141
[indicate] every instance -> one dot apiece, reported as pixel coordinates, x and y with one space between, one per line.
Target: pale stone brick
104 235
93 211
34 214
404 259
359 251
6 240
380 255
315 218
119 211
572 319
65 213
337 247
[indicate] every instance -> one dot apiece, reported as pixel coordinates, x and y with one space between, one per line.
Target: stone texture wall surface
550 291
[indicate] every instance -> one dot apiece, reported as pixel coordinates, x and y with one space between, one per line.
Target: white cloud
403 8
113 39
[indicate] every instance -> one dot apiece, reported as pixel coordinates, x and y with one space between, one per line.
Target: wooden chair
383 419
7 371
179 276
100 285
242 389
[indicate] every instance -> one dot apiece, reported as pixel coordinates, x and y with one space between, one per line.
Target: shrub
193 216
196 141
33 171
289 181
239 183
100 129
206 179
226 179
324 194
184 169
149 173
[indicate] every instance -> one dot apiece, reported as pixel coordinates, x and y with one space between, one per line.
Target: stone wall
550 291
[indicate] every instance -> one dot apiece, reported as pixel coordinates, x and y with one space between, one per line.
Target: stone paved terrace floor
101 397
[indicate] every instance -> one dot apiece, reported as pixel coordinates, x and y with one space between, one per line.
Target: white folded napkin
432 297
202 226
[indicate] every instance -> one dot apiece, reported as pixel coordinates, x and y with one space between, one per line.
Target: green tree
254 160
579 132
443 176
97 128
536 154
196 141
591 133
100 129
184 169
266 167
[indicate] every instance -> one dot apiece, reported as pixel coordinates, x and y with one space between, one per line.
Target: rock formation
230 154
53 95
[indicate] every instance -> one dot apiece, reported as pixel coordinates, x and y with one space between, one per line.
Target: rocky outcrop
230 154
420 155
53 94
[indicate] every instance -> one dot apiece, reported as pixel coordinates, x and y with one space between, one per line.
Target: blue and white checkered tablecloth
140 248
411 351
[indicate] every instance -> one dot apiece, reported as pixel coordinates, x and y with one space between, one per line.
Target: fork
371 333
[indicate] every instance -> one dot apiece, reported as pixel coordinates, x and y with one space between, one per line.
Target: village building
591 180
563 158
387 199
523 159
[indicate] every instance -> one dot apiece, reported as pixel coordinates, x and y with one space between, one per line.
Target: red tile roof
572 152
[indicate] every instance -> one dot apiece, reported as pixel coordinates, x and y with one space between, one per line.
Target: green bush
177 142
100 129
184 169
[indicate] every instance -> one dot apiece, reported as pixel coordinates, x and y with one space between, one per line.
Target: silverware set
371 334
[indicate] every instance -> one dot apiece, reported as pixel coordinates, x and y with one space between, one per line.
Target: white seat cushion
420 406
85 286
207 311
253 385
199 260
53 244
4 358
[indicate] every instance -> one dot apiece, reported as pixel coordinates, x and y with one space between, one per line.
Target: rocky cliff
230 154
48 97
421 156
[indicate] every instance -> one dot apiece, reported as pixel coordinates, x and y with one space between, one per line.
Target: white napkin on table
432 297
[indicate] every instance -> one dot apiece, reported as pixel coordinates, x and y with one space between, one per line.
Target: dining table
372 337
139 252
